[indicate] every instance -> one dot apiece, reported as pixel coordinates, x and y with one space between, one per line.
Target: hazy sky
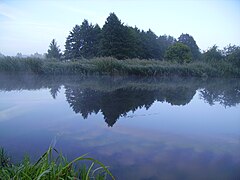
28 26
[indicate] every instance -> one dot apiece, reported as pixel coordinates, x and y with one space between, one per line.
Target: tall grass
49 166
111 66
4 159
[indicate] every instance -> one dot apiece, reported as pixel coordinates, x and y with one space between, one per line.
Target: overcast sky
28 26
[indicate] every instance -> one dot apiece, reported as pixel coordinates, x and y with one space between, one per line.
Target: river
142 128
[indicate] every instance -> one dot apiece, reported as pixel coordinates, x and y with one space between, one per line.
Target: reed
112 66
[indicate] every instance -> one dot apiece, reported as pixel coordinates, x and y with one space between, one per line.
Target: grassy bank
111 66
51 166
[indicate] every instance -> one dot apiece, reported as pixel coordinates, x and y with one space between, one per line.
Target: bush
179 52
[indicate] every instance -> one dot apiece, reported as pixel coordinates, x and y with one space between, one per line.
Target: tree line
125 42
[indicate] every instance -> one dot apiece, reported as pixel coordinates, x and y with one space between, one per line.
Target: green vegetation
120 41
179 52
117 49
83 41
50 166
4 159
112 66
191 43
54 50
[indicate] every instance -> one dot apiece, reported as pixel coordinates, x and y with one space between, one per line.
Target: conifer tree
54 50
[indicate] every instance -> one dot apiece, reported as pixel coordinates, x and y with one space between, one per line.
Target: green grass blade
43 174
88 172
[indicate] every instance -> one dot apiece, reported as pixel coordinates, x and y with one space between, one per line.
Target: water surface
143 128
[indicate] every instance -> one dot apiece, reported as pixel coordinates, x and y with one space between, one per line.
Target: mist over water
143 128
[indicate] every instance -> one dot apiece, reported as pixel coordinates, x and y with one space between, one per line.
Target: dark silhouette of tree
96 36
118 103
165 42
83 101
191 43
54 91
73 43
151 47
122 42
83 41
113 105
54 50
179 95
136 39
114 38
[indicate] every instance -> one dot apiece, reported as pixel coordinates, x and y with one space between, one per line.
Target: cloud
8 12
74 8
10 113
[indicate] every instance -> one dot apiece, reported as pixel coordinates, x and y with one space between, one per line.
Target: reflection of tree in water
111 104
54 90
115 96
84 102
226 93
176 95
117 103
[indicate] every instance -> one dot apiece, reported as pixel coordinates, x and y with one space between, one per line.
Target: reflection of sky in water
164 142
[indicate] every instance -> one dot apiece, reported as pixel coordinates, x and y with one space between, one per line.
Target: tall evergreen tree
96 35
136 45
121 42
83 41
130 41
73 43
115 38
191 43
54 50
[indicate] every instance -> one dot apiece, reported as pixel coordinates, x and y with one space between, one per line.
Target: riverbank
52 165
111 66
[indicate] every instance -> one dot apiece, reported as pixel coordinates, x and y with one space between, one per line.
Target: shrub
179 52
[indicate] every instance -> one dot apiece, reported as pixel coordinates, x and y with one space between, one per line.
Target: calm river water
143 128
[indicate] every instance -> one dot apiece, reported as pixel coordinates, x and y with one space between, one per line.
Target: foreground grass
50 166
111 66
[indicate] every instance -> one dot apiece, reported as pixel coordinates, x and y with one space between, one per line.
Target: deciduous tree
191 43
213 54
179 52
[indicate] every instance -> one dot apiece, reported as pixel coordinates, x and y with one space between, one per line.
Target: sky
28 26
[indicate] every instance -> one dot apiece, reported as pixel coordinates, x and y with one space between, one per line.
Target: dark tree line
120 41
125 42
